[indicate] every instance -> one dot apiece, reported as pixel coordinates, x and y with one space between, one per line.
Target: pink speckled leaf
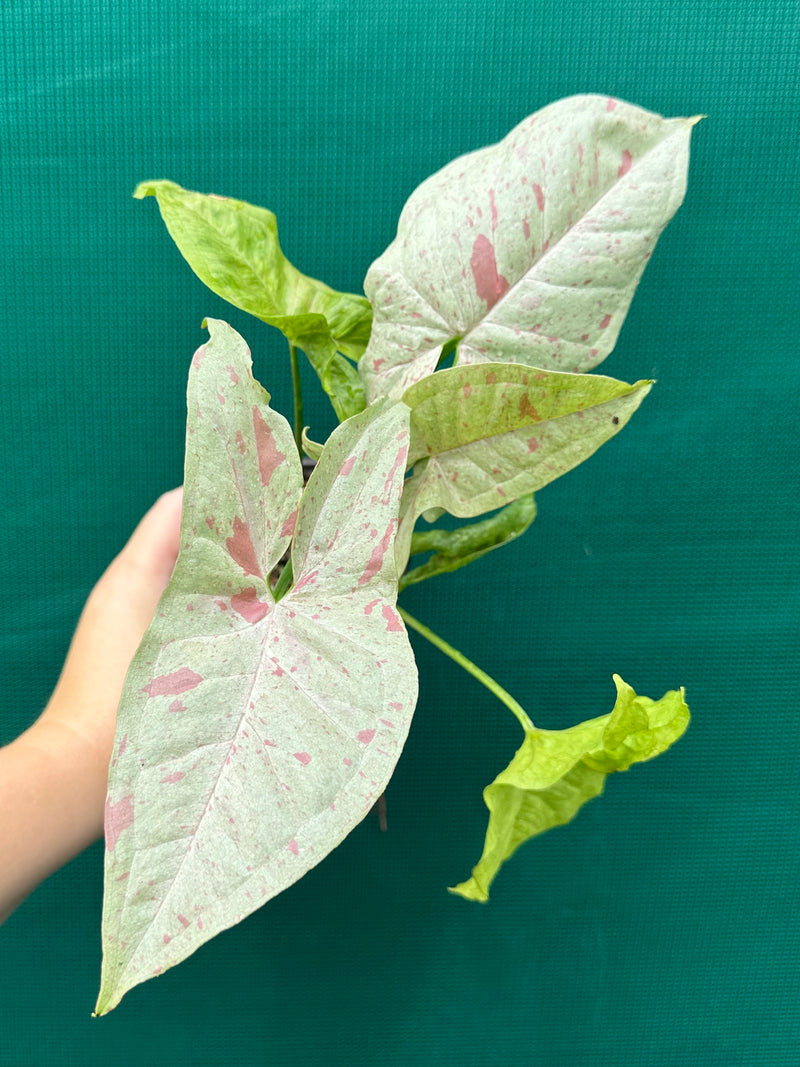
530 250
254 734
484 435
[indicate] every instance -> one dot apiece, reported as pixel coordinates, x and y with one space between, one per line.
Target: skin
53 776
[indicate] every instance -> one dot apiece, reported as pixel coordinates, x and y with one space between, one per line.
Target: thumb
153 546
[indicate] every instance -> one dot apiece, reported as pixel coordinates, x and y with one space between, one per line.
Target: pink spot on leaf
538 192
605 321
172 684
269 456
248 605
307 579
494 209
365 736
241 550
533 444
394 625
233 374
240 442
346 467
177 705
489 285
378 553
171 779
289 524
293 847
625 165
183 920
302 757
610 105
118 817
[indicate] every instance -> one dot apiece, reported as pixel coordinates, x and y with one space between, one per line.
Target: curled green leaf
555 772
233 247
455 548
313 449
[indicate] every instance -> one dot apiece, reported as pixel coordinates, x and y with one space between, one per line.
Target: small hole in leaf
449 354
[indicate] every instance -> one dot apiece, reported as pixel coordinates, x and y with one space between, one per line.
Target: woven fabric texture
658 929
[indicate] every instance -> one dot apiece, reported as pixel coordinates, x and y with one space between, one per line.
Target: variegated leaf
254 734
528 251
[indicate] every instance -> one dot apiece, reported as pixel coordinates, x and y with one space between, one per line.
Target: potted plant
269 701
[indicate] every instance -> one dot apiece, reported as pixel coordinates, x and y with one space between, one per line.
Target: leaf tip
105 1003
469 890
144 189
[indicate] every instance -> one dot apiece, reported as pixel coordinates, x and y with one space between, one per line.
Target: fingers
153 546
113 622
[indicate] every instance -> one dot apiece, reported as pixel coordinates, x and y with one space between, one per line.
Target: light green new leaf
528 251
254 734
313 449
233 247
556 771
487 434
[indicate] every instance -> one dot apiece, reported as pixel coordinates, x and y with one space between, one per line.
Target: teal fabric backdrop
658 929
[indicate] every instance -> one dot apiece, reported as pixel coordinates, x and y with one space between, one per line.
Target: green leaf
556 771
313 449
456 548
338 377
528 251
254 734
233 247
485 435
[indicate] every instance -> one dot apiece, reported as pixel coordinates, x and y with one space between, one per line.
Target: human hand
53 777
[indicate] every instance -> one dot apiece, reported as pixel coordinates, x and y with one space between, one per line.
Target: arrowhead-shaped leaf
528 251
233 247
254 734
556 771
484 435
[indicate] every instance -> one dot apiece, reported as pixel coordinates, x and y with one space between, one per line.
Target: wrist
77 769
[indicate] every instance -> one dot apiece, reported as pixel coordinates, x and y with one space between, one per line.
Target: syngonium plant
268 703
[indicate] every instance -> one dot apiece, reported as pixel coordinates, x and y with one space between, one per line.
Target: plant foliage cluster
269 701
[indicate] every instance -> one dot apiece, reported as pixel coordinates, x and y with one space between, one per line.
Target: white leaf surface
254 734
528 251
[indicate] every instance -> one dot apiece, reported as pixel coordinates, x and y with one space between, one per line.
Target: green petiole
471 668
297 391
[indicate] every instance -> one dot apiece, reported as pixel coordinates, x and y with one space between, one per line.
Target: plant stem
504 697
284 581
298 397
